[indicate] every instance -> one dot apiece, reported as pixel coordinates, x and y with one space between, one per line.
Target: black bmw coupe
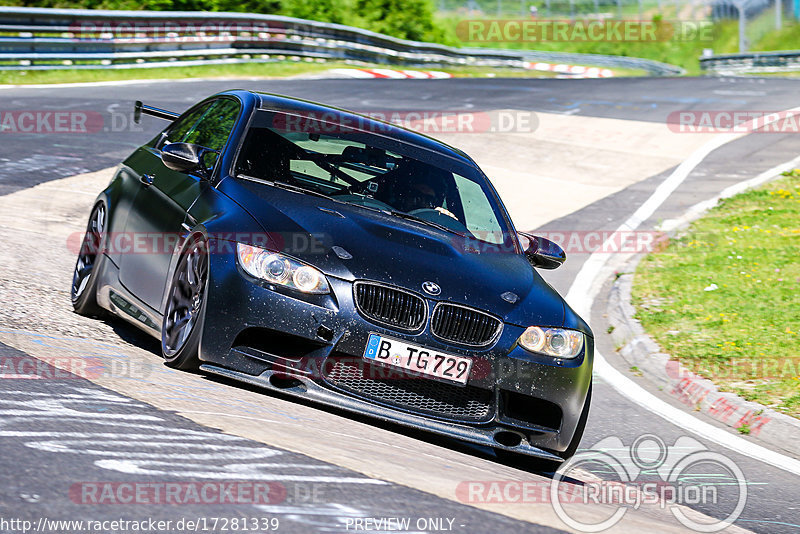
315 251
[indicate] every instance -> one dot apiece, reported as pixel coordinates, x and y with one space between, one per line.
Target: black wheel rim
90 249
185 299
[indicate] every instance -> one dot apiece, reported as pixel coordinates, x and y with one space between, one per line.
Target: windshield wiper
283 185
408 216
299 189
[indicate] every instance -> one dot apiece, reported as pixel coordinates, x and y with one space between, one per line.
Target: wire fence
569 9
756 17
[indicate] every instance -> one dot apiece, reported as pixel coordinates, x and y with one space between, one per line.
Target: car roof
275 102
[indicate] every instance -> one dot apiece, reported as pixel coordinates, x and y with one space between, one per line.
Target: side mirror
186 158
542 252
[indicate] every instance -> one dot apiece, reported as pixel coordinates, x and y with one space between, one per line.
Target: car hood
398 252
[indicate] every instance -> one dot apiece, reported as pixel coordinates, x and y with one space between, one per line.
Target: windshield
372 171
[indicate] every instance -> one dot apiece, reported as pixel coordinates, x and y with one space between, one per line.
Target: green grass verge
484 72
684 52
724 298
787 38
723 39
783 74
276 69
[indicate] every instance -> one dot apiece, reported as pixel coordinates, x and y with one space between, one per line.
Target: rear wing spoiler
139 108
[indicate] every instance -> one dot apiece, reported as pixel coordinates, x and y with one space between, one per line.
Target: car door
160 206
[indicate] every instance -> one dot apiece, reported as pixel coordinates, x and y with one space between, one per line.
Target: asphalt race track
63 436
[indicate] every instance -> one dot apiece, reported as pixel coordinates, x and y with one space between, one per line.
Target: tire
90 257
550 466
184 314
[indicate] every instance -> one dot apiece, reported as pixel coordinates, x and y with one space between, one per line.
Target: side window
178 130
208 126
213 129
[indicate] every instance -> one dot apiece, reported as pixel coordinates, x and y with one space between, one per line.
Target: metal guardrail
43 38
754 62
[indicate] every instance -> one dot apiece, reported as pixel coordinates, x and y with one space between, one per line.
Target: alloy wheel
90 249
184 305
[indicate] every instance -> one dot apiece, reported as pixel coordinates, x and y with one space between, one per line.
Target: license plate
417 359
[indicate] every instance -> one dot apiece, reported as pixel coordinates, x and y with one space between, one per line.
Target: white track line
587 285
701 207
685 421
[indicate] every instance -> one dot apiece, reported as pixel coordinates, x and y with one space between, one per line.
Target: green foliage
338 11
153 5
787 38
265 7
409 19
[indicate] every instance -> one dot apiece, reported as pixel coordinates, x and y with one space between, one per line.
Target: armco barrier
754 62
43 38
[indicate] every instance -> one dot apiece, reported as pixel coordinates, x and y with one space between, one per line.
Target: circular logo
431 288
648 472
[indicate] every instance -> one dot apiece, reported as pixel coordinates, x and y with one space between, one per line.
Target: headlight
556 342
279 269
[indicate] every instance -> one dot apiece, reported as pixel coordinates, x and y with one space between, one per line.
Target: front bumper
284 341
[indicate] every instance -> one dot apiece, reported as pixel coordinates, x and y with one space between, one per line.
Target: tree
407 19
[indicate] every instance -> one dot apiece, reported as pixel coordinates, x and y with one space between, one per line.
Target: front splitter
308 389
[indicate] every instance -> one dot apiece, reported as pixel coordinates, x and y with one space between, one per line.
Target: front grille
390 306
464 325
414 393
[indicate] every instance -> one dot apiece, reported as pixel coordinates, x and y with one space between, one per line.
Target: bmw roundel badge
431 288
